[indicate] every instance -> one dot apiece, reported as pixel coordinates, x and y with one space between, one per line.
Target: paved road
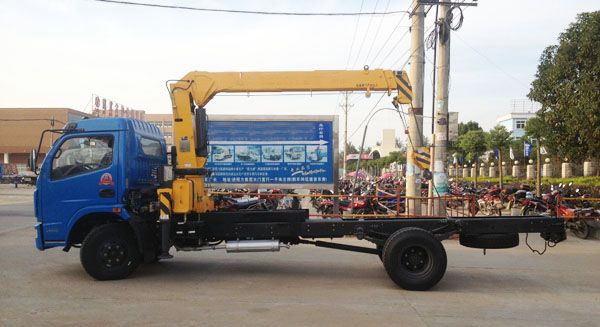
303 286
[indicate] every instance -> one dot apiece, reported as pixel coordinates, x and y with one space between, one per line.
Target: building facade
21 128
515 122
388 144
164 122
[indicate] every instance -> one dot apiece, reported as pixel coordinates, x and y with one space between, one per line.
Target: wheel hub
414 259
113 254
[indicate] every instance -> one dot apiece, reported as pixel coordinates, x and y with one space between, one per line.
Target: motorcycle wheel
511 204
580 229
484 210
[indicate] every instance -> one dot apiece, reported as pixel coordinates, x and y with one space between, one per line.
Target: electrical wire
365 36
394 47
491 62
368 114
253 12
389 36
34 119
377 33
354 36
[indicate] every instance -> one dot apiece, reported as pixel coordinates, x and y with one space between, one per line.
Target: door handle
107 193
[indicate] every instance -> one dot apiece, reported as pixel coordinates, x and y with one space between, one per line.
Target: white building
522 111
388 144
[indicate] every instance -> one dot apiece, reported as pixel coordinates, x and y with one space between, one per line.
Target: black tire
414 259
490 241
110 252
581 229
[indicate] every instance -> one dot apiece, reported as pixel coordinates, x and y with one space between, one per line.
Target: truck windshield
82 154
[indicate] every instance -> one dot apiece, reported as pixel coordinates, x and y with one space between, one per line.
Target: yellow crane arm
190 94
196 89
205 85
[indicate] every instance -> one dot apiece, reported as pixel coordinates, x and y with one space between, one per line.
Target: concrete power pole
415 117
346 108
440 178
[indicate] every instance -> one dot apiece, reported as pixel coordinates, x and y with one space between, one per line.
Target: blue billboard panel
278 153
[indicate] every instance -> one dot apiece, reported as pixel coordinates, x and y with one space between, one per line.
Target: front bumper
42 244
39 238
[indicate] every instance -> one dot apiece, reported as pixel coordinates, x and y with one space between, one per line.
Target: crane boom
190 95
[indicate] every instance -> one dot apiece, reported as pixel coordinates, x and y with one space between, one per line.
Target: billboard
289 152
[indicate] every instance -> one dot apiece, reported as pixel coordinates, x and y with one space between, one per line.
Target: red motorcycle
490 203
552 204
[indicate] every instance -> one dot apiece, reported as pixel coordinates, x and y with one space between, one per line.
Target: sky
57 53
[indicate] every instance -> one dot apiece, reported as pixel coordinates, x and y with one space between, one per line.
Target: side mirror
560 185
570 184
33 160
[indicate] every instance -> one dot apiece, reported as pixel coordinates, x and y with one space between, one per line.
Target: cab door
82 173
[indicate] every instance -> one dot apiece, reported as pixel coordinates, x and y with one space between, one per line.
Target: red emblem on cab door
106 179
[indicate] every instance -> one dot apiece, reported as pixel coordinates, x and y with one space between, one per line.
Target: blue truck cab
100 170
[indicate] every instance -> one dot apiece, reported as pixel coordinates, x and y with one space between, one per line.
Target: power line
33 119
394 47
389 36
395 62
377 32
398 60
490 61
365 37
354 35
253 12
368 114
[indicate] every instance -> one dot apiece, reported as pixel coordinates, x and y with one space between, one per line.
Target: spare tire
490 241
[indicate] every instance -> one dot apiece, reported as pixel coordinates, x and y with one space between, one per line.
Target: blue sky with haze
56 53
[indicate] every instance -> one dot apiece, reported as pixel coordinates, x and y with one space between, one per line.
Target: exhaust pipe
254 246
242 246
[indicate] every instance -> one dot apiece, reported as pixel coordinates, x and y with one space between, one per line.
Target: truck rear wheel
110 252
414 259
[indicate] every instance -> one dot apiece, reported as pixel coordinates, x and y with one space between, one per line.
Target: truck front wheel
414 259
110 252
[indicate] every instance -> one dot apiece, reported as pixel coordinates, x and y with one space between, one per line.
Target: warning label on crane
422 157
271 151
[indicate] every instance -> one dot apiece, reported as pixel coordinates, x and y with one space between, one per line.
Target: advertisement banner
289 152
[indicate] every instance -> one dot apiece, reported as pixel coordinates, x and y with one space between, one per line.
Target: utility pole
346 108
500 168
538 164
440 179
415 113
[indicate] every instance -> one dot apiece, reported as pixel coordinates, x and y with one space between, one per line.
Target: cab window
151 147
80 155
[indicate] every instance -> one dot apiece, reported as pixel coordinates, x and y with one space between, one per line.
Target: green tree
566 85
499 138
534 128
463 128
472 143
517 146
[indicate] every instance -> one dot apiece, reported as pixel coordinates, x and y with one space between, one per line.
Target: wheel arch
84 224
